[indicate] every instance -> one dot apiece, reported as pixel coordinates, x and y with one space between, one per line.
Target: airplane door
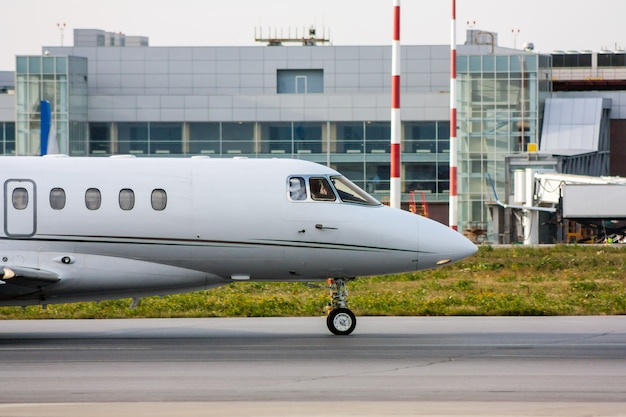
20 208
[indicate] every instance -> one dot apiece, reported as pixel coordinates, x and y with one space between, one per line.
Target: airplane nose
460 246
439 245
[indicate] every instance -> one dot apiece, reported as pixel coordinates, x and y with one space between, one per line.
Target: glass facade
500 103
133 138
291 138
427 157
100 138
298 81
238 138
61 80
205 138
7 138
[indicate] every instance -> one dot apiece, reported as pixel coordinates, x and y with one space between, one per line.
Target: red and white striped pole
454 203
395 184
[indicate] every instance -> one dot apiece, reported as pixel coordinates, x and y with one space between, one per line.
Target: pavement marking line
316 409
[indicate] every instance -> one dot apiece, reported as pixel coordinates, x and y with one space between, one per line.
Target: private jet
83 229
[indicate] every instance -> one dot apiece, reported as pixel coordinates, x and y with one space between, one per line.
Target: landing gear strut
340 321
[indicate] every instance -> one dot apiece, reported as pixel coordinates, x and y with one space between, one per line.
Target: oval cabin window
19 198
127 199
57 198
158 199
93 199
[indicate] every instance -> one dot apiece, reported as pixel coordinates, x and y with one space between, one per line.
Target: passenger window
57 198
20 198
297 189
93 198
127 199
321 190
158 199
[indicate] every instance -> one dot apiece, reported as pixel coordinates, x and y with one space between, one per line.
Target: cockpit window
297 189
321 190
350 193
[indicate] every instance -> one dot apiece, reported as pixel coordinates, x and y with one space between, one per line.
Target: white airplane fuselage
168 225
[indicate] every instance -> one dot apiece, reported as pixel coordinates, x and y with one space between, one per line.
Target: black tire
341 321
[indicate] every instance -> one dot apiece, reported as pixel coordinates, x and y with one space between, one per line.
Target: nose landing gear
340 321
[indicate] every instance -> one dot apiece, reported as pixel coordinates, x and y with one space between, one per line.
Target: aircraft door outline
20 208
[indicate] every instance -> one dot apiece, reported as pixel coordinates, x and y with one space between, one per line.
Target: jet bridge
599 202
584 201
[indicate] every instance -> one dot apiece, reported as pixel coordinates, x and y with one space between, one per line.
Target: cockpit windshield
336 188
350 193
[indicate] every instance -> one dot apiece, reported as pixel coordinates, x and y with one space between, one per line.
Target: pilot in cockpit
320 189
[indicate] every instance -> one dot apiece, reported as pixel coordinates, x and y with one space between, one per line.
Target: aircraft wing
27 277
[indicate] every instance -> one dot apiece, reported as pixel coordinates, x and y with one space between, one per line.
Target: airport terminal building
115 94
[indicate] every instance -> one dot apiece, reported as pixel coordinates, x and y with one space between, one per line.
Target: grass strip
502 281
